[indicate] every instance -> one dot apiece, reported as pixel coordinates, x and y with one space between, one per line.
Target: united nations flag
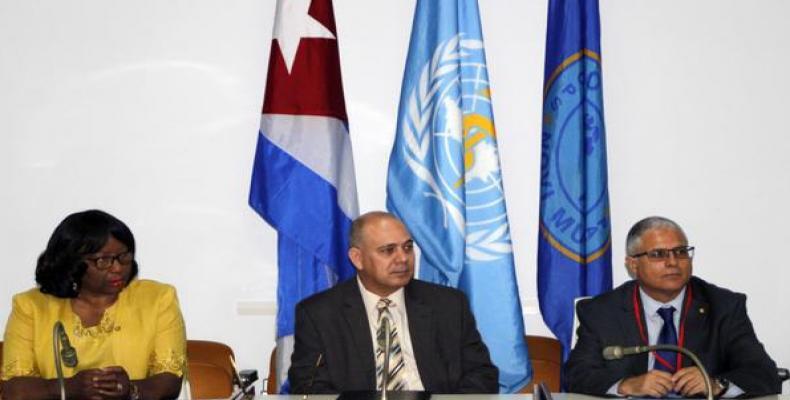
444 179
574 245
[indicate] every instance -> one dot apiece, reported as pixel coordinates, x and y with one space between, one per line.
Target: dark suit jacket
450 356
717 329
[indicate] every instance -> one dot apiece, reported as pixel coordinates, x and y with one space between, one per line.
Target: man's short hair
358 226
634 239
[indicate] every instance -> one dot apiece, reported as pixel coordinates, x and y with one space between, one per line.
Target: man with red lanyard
664 304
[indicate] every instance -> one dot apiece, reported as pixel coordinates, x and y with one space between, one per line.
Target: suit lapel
422 332
696 321
357 319
629 326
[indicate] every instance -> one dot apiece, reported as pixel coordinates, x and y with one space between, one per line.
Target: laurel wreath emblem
481 245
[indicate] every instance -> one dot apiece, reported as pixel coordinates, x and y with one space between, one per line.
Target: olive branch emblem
423 103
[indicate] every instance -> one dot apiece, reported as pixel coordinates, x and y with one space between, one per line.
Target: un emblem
574 196
451 147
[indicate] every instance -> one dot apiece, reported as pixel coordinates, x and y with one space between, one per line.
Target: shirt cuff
732 391
613 390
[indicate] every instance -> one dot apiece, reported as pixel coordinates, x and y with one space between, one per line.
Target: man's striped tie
395 381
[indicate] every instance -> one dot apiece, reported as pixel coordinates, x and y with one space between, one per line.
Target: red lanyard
681 336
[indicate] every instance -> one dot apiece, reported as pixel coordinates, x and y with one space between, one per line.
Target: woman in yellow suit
128 333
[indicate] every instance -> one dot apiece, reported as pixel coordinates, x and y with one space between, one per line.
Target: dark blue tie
668 335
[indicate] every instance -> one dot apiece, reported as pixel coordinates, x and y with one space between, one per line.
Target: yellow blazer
143 332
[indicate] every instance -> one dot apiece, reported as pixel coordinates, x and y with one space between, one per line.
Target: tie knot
666 314
383 304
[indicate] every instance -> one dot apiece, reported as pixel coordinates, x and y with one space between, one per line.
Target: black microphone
618 352
67 353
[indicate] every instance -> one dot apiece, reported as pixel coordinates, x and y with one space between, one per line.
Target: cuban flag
303 181
444 179
574 243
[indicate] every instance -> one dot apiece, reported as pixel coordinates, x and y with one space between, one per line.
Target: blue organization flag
303 181
574 245
444 179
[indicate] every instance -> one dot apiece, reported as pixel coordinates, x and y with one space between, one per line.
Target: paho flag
574 245
303 180
444 179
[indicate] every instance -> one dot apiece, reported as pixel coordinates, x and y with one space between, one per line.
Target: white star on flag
291 24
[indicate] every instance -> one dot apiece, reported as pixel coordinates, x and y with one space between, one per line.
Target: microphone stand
385 368
245 387
312 375
385 340
617 352
56 331
697 362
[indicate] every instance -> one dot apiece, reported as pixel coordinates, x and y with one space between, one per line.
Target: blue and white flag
303 181
574 245
444 179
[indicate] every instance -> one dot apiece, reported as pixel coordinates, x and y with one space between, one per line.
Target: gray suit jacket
450 355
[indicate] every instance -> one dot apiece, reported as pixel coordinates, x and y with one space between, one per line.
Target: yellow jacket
143 332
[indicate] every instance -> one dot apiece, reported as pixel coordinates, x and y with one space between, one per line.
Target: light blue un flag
444 179
574 245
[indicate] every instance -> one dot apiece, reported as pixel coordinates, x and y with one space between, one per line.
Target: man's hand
654 383
689 382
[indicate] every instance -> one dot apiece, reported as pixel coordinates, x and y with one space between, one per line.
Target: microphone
384 342
67 355
618 352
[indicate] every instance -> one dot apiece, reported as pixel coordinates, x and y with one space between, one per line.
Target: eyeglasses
103 263
680 252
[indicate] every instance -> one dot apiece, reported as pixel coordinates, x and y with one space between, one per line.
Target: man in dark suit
436 345
706 319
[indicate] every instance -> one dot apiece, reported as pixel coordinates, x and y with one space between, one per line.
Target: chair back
545 353
211 374
271 381
1 365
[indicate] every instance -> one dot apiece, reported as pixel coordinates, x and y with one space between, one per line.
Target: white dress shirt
654 321
411 376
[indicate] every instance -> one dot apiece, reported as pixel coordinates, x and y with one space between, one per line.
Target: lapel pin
702 310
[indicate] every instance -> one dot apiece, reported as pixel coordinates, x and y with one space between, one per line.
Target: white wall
149 109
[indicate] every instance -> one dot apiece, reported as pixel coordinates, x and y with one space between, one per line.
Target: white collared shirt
654 321
411 376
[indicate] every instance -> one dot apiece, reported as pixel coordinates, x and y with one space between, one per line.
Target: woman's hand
86 384
114 383
99 384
